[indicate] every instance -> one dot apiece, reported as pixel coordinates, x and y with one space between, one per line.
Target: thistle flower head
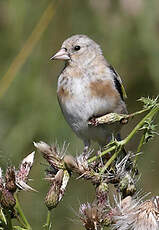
21 175
57 188
94 216
102 194
133 214
71 163
90 216
7 199
52 154
123 175
57 174
10 179
147 217
80 166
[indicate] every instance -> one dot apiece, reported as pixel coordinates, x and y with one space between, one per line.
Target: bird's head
78 50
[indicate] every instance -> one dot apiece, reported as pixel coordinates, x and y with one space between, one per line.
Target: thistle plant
11 183
114 166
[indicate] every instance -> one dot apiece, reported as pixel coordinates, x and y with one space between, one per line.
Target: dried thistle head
80 166
123 175
14 179
58 185
21 175
95 216
52 154
90 216
71 163
124 213
147 216
134 214
127 185
52 197
102 194
7 200
10 179
57 174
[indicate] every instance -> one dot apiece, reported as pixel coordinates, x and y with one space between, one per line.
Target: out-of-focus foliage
128 32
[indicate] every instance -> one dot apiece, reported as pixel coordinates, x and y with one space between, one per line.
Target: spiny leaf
150 130
149 102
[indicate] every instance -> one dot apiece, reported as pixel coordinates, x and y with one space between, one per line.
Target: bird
88 87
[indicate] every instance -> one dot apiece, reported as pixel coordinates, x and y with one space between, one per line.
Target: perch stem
150 115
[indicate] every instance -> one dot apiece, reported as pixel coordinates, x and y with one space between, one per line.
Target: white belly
80 107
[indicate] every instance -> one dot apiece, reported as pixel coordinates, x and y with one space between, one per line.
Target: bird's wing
118 83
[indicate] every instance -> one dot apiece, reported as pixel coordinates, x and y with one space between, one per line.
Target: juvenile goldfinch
88 87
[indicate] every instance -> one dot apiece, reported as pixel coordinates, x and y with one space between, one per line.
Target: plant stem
141 143
138 112
21 214
128 138
48 221
48 218
110 161
139 125
8 219
2 217
102 154
139 149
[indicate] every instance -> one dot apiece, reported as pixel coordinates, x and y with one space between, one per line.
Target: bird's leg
118 137
86 147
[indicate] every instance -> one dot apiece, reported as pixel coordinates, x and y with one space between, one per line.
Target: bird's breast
83 98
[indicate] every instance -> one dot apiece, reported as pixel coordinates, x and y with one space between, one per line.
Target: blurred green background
128 32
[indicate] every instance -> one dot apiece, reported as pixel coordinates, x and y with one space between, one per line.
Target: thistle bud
7 199
53 195
102 194
52 154
89 216
10 179
127 185
71 163
94 217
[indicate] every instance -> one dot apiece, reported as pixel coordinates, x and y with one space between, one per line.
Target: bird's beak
62 54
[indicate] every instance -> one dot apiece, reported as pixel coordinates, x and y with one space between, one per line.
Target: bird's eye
77 48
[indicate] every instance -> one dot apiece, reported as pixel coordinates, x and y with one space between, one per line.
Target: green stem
128 138
48 221
139 125
138 112
102 154
19 219
141 143
110 161
8 219
139 149
2 217
21 214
